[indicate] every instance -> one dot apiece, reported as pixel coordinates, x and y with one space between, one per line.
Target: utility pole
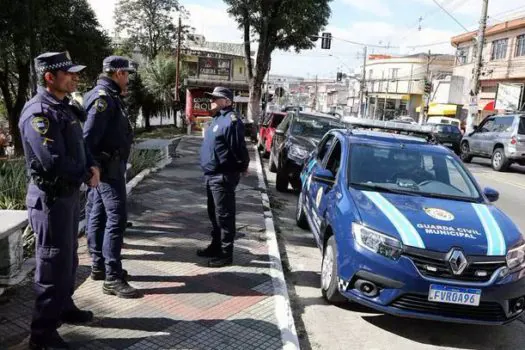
363 86
314 103
177 79
473 107
426 98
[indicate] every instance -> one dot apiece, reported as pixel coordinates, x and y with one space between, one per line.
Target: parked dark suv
500 138
294 139
448 135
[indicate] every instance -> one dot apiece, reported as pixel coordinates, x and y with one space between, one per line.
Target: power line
450 15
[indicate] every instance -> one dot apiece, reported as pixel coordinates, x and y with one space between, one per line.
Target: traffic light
339 76
326 41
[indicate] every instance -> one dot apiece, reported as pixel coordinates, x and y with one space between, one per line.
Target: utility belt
54 188
110 164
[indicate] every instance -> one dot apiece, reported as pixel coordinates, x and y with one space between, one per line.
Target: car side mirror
491 194
324 176
279 132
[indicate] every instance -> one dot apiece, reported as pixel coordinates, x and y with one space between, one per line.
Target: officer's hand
95 178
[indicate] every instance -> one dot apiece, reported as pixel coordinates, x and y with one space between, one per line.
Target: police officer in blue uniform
57 163
109 136
224 157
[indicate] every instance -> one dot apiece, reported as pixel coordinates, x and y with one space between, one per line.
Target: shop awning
208 83
440 109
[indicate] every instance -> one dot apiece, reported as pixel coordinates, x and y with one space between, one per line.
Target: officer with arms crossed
57 163
109 136
223 157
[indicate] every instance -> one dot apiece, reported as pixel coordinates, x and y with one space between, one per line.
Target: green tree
149 24
275 24
31 27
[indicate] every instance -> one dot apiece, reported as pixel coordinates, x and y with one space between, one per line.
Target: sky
394 26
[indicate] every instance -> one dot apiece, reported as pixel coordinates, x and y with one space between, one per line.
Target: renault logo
457 260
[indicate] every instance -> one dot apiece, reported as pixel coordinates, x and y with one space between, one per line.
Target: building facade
503 61
210 64
395 85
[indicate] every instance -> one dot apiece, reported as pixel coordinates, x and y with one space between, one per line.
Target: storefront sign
214 66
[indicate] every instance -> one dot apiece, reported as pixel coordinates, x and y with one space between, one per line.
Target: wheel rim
496 159
464 149
299 206
328 266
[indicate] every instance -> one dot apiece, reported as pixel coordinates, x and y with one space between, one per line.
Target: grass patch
159 132
141 159
13 184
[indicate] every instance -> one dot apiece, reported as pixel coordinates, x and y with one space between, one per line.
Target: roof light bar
387 125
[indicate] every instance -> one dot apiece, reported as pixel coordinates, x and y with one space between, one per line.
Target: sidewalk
186 305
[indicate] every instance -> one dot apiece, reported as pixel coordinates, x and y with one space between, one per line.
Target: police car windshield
419 171
313 127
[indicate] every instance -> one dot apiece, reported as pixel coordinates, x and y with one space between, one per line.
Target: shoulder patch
40 124
233 117
101 105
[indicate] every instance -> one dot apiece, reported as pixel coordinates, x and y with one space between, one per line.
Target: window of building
462 55
370 73
395 72
520 45
499 49
240 70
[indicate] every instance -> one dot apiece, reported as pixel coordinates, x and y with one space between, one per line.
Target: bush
141 159
13 184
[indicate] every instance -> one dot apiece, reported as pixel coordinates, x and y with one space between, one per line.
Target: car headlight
377 242
298 152
516 257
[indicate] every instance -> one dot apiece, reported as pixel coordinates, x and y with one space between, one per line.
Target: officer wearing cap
109 136
57 163
224 157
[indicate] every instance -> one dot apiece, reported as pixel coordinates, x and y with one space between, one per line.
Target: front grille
486 311
435 264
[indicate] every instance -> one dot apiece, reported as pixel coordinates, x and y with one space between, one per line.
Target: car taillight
513 140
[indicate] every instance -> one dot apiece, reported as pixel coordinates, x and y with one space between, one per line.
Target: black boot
54 341
99 274
120 288
76 316
211 251
224 259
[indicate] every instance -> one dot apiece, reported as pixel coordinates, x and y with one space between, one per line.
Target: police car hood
438 224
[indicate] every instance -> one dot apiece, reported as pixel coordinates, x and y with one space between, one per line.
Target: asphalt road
323 326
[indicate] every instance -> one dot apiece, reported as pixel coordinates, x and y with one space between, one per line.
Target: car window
334 161
310 126
276 120
488 126
521 127
455 129
324 146
417 170
503 124
285 123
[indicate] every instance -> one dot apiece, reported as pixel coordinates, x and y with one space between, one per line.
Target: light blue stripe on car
495 239
406 230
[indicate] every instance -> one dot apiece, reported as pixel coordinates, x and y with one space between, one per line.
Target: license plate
454 295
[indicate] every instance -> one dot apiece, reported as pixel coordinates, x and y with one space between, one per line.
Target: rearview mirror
324 176
491 194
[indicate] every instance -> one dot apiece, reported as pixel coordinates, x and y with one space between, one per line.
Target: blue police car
404 228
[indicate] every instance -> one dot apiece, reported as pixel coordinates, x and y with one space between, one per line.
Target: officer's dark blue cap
115 63
56 61
221 92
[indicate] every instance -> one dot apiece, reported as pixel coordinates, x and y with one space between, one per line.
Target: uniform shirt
224 148
52 140
107 128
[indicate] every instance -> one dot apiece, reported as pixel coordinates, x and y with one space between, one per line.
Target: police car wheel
271 164
499 161
300 216
465 153
329 283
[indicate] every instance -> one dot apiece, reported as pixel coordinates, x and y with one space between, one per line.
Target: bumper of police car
416 285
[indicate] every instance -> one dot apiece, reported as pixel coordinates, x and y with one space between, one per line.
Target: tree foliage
275 24
31 27
150 24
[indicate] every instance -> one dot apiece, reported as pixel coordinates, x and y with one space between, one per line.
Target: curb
283 311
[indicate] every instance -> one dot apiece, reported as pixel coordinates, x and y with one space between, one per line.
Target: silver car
500 138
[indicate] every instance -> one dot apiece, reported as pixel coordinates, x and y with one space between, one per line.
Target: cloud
104 9
377 7
214 22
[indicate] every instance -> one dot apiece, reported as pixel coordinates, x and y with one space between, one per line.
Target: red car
267 130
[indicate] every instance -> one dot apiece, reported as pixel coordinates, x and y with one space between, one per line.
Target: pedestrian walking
224 157
57 163
109 136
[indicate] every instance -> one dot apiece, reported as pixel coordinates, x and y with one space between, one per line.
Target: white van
443 120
